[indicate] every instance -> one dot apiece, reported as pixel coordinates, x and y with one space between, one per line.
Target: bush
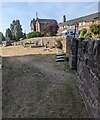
94 29
82 33
34 34
58 44
88 35
2 38
21 39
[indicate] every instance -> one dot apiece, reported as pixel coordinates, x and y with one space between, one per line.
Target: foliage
58 44
24 35
16 30
95 29
8 33
82 33
34 34
50 29
2 38
88 34
99 29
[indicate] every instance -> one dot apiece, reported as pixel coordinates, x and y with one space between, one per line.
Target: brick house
39 24
82 22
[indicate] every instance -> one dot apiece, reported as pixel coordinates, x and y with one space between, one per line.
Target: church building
39 25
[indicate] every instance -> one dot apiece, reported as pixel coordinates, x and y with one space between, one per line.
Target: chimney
64 18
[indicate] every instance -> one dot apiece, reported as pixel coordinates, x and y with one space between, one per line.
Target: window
71 32
64 26
79 24
83 23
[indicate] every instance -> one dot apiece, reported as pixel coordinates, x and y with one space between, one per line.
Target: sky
26 11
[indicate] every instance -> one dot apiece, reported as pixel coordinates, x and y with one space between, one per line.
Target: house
39 25
81 22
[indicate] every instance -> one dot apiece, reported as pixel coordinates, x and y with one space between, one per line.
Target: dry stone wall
72 49
87 64
44 40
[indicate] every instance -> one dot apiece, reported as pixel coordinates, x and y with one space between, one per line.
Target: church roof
46 20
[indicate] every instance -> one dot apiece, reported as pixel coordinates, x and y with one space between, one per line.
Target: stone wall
44 40
88 72
72 49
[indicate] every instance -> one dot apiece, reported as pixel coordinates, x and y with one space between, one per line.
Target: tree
82 33
54 28
50 29
95 29
8 33
16 30
88 35
2 38
99 29
24 35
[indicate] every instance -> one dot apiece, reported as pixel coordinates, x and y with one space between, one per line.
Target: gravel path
35 86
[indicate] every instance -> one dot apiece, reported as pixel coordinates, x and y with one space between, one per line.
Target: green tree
98 29
82 33
8 33
95 29
16 30
24 35
2 38
50 29
88 35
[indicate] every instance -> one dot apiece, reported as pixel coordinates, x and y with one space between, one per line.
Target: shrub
58 44
34 34
21 39
94 29
82 33
88 35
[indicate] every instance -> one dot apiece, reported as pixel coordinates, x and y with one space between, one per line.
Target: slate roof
46 20
88 18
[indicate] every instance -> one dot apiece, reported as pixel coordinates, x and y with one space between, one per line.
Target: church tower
32 25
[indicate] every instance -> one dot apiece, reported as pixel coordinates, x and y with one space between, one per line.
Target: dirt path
35 86
0 88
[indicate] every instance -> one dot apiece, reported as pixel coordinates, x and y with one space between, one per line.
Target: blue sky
26 11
